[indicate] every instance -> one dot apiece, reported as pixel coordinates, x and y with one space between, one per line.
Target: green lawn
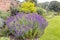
52 31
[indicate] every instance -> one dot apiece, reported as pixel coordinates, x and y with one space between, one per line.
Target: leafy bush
1 22
52 32
4 31
50 14
26 25
41 11
4 38
4 15
27 7
58 13
54 6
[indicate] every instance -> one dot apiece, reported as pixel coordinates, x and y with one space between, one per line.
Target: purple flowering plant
26 25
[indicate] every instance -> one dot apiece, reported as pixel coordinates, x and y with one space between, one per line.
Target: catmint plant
26 25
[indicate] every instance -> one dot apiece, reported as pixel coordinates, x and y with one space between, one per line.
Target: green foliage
58 13
41 11
54 6
35 1
4 15
4 31
27 7
52 32
50 14
4 38
43 5
33 33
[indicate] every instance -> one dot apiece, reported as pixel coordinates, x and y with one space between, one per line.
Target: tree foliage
54 6
35 1
43 5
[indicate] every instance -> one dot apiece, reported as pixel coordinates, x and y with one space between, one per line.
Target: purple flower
22 23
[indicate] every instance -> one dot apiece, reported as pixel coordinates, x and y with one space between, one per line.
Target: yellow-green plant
4 15
4 38
27 7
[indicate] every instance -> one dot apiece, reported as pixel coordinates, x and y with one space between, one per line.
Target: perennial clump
26 25
27 8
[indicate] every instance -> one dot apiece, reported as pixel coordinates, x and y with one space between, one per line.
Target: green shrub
1 23
4 15
58 13
51 13
4 32
4 38
52 32
41 11
27 7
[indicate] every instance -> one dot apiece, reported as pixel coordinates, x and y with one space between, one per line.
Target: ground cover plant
4 15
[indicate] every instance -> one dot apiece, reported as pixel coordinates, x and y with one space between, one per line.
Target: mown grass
52 32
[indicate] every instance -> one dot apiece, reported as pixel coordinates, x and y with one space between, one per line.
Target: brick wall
5 4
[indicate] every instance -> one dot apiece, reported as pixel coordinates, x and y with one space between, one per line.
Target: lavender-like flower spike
22 23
